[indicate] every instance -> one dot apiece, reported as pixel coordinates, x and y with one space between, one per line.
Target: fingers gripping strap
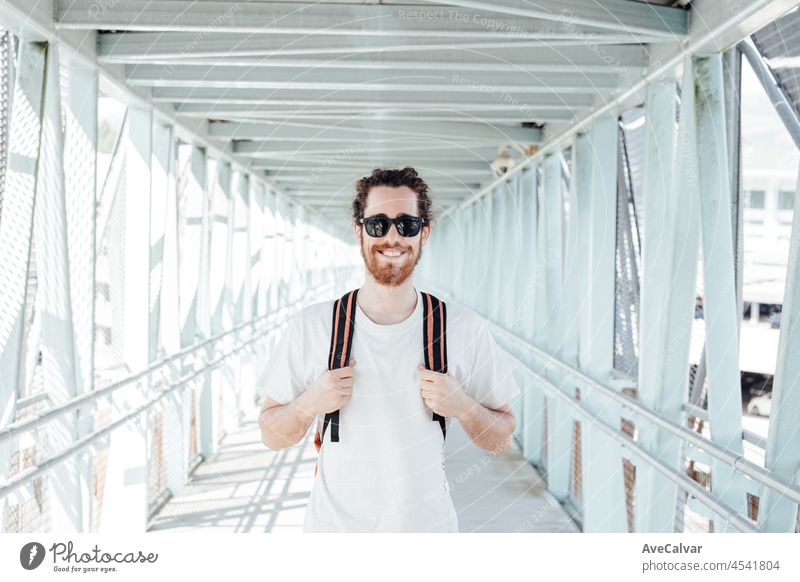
344 314
434 341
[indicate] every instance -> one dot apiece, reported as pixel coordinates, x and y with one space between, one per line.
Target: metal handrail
731 515
33 472
33 422
762 475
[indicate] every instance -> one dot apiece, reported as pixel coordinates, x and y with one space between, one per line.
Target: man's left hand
443 394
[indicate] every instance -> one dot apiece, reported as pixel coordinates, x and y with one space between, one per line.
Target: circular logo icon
31 555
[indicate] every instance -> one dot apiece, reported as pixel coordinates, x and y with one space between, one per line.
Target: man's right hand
331 390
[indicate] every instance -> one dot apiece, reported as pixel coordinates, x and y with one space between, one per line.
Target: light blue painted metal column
57 345
242 372
497 257
485 285
170 320
512 260
719 304
194 262
456 242
533 398
604 493
16 228
518 268
80 185
656 496
583 196
162 194
559 418
220 301
472 267
257 255
281 218
681 240
572 296
125 497
775 512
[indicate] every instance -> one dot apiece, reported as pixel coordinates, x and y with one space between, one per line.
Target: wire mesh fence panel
6 69
102 418
31 511
628 267
576 483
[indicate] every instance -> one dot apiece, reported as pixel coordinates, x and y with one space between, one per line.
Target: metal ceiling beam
545 59
185 97
441 130
390 159
275 167
430 63
617 15
504 19
407 148
336 182
123 47
335 118
350 174
415 81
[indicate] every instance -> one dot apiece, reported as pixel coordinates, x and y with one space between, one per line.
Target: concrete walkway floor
246 487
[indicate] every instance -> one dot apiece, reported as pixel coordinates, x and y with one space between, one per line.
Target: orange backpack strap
344 315
434 341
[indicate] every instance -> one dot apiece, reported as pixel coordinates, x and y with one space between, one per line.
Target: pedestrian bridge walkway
176 181
245 487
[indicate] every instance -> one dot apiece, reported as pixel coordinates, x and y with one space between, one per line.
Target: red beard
391 272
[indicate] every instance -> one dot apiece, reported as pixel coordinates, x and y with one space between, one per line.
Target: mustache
396 248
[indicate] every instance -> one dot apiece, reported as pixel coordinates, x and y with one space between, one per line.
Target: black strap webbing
344 314
434 344
434 341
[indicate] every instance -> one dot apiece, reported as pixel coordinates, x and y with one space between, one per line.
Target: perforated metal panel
628 257
6 61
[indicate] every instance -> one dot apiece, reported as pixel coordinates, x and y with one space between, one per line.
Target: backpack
434 349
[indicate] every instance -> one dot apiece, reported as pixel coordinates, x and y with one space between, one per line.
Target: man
386 470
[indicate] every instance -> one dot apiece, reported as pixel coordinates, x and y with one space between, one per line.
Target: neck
387 305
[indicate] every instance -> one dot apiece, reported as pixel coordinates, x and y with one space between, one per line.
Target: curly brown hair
393 177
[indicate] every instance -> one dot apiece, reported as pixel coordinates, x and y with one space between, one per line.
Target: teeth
391 253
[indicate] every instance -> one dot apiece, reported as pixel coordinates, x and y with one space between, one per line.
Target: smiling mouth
391 253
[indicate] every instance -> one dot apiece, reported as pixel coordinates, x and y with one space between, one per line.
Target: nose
392 236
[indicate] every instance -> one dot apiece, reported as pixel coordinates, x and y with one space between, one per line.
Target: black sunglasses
378 225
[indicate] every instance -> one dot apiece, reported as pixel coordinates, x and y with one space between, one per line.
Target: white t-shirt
386 472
